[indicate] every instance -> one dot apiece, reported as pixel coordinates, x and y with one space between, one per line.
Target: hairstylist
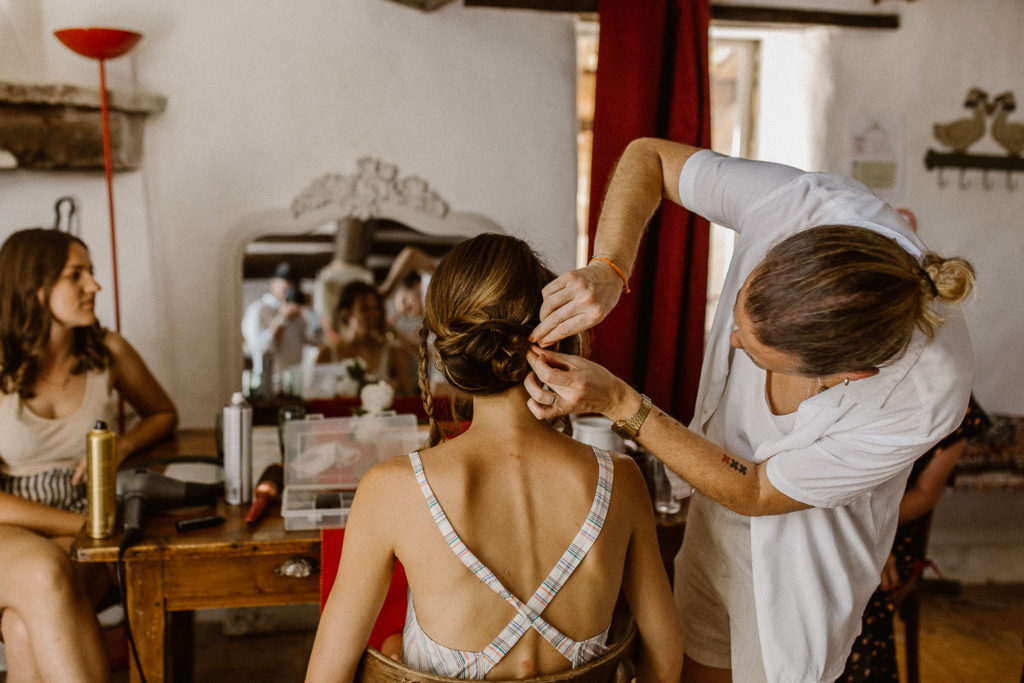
834 361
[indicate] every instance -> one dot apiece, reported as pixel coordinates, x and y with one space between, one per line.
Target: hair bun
495 349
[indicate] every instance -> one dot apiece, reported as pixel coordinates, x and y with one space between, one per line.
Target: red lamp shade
98 43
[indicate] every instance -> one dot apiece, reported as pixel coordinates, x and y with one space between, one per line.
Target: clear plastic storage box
325 459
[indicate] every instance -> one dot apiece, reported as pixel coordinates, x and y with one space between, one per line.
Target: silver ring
554 397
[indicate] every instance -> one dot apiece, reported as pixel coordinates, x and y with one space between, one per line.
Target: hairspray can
101 478
237 451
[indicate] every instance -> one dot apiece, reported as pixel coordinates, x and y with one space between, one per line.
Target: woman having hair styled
361 334
515 538
60 372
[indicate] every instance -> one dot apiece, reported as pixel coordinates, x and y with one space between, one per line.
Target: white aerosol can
238 451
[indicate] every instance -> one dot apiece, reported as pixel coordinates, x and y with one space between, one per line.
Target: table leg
147 617
180 646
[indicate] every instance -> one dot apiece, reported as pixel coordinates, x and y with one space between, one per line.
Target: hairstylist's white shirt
850 449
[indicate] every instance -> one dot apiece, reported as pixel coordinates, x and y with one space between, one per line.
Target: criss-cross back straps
528 614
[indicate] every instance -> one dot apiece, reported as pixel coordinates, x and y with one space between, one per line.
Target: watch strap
630 427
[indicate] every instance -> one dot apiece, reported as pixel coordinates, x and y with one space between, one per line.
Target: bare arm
646 173
583 386
364 574
647 589
38 517
408 260
401 370
141 389
930 484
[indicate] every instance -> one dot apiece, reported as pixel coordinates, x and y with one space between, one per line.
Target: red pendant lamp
102 44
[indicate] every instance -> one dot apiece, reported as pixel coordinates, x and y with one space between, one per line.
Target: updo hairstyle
842 298
31 262
483 301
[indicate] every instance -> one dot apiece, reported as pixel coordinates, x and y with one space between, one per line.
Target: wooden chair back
616 666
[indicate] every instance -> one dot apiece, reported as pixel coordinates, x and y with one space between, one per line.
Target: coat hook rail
984 162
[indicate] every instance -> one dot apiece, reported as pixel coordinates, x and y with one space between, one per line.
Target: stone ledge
58 127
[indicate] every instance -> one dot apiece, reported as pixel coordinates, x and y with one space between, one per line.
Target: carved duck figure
1008 134
963 133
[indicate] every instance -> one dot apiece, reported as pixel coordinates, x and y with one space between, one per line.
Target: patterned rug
994 458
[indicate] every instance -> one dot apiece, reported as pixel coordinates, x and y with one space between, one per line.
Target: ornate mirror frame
375 190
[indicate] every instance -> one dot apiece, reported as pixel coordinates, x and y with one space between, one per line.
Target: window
734 63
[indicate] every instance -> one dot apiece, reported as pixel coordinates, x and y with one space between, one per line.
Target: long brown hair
842 298
31 262
482 303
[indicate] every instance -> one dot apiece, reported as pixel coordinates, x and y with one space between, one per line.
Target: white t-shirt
849 450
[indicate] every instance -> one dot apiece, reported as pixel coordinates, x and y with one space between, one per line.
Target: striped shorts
52 487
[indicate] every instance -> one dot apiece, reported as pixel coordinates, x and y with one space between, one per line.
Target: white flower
377 397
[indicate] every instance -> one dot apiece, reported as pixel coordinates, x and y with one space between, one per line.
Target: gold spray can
101 481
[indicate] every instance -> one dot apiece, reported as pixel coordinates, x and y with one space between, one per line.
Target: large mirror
294 295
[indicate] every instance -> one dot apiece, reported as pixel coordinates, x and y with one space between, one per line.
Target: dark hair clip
930 281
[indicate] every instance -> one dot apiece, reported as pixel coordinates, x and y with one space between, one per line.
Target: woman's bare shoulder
115 342
388 477
629 480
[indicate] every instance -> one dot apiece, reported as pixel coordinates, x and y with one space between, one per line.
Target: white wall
265 97
923 72
819 84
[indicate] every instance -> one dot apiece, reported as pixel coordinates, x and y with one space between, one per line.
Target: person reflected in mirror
352 243
409 260
405 316
277 328
510 508
361 334
405 310
60 372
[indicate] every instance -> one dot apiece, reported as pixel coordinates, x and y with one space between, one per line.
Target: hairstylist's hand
576 301
561 384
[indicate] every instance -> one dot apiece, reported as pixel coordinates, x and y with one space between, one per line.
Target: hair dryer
141 490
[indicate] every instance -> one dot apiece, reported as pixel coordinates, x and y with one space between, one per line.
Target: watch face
623 430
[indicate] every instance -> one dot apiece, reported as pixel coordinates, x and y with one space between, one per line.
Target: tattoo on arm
662 413
734 463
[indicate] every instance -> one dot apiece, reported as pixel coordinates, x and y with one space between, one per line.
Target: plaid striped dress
421 652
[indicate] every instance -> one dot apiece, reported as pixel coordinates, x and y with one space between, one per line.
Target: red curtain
652 81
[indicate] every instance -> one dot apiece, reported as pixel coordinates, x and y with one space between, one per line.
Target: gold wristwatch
630 427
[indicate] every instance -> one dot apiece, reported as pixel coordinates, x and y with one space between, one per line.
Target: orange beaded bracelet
605 259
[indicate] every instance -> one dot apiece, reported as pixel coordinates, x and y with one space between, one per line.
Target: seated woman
361 335
515 538
59 369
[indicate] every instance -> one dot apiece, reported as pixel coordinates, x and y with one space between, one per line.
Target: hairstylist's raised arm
647 172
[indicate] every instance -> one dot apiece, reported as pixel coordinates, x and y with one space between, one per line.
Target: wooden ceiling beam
729 13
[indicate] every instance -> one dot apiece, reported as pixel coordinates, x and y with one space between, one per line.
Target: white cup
597 431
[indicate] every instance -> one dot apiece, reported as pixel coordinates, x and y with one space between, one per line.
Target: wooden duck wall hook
963 182
962 133
1009 134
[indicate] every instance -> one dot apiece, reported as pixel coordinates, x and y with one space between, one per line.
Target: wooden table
168 574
